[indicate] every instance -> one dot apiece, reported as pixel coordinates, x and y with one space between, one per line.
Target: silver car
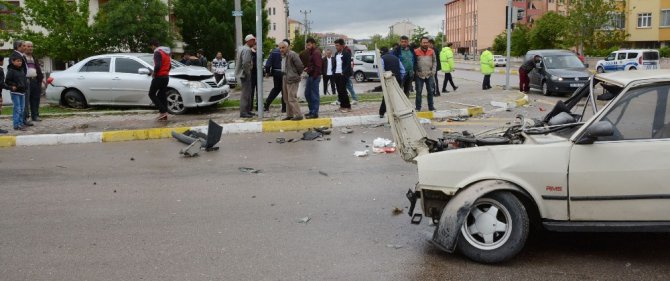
230 74
123 79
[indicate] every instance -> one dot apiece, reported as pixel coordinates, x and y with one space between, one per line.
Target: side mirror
599 129
144 71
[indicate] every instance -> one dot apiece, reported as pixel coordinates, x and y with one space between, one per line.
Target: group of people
24 82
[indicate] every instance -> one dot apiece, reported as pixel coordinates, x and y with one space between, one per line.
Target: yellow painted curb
475 111
7 141
277 126
425 114
145 134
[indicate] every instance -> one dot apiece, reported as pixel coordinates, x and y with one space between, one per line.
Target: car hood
193 73
570 72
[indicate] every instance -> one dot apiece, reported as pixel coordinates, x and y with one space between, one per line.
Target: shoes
445 91
288 118
266 109
345 110
283 110
20 128
337 102
297 118
30 124
436 95
433 109
354 102
455 89
3 131
381 116
246 115
162 117
309 116
37 119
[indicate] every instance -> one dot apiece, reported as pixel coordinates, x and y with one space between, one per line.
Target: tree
439 38
586 21
520 44
549 32
63 31
209 25
418 33
129 25
380 41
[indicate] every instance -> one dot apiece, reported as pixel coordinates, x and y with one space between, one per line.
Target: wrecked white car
606 173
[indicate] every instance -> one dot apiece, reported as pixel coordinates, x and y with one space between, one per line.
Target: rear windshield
562 62
650 56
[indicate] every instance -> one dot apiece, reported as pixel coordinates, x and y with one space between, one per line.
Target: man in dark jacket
408 59
19 50
327 72
35 77
273 68
437 59
390 63
313 69
342 72
527 67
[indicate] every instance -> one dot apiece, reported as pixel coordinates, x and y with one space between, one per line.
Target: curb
512 71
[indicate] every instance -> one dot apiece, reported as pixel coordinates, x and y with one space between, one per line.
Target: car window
125 65
96 65
148 58
611 56
368 59
562 62
650 56
358 57
632 55
231 65
641 114
621 56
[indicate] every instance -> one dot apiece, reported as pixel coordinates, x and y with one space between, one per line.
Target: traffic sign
237 13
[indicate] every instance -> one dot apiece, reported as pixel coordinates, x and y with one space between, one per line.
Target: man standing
447 65
527 67
342 72
390 63
244 64
291 68
425 73
161 78
327 72
19 50
437 52
408 59
219 66
35 77
201 58
487 67
273 68
313 69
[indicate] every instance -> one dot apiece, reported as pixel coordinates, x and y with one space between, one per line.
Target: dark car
560 72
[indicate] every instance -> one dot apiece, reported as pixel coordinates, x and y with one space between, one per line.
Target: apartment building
401 28
647 22
295 28
277 11
328 39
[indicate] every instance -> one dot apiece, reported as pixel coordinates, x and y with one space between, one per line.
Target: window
617 21
642 114
274 26
96 65
621 56
644 20
9 11
274 11
632 55
665 18
368 59
650 56
124 65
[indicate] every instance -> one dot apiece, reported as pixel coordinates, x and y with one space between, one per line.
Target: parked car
634 59
230 74
580 169
560 72
365 66
123 80
499 60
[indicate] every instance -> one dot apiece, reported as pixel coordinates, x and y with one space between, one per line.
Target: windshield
150 60
231 64
562 62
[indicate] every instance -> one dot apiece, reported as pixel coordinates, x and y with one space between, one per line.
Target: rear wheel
359 76
175 103
600 69
632 68
73 98
495 229
545 89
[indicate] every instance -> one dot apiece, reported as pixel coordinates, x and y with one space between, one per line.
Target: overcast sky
361 19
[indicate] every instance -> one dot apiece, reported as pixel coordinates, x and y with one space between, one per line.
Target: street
140 211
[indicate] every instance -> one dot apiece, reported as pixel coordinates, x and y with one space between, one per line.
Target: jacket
437 52
162 62
16 78
244 63
529 65
447 60
426 63
314 66
292 67
38 69
273 62
16 54
3 85
486 62
398 53
324 65
347 71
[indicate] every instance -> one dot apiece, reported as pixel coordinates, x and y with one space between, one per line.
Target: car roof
121 55
623 78
549 52
636 50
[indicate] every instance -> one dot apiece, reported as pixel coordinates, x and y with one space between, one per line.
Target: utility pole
306 12
238 24
259 57
509 42
286 16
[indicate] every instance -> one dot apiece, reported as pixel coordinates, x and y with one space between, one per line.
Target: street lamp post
259 57
509 42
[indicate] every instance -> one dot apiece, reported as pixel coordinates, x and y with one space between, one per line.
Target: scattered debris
363 141
362 153
132 158
197 141
95 183
424 121
311 135
253 196
323 173
62 167
382 145
323 130
346 130
304 220
114 190
542 108
433 127
457 119
249 170
394 246
82 126
397 211
280 140
376 125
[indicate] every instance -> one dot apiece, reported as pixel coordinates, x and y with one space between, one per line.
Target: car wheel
175 103
632 68
495 229
600 69
359 76
73 98
545 89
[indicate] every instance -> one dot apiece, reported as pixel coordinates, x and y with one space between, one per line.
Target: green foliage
548 32
129 25
439 38
298 43
380 41
66 33
600 52
520 44
500 44
664 52
209 25
586 21
419 32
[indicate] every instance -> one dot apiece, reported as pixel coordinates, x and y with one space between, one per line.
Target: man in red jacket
161 77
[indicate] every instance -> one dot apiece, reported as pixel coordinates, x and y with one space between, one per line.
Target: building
328 39
277 11
295 28
402 28
472 25
647 22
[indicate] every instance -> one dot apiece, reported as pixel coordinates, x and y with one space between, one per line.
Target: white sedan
499 60
124 80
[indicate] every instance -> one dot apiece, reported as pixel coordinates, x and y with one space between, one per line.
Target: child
16 83
2 86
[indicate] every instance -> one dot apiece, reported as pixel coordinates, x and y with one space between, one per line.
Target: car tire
359 76
73 98
632 68
545 89
175 103
600 69
499 243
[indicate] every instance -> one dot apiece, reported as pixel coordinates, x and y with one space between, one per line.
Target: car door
620 61
625 177
95 81
130 87
610 62
535 76
370 66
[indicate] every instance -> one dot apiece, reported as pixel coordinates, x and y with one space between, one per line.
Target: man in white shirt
327 72
219 66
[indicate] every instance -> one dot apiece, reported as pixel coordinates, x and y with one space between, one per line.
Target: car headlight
556 78
194 84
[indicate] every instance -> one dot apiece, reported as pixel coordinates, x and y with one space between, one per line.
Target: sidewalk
98 127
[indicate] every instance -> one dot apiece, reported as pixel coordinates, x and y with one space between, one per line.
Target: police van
634 59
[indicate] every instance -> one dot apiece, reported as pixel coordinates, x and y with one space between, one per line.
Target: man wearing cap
244 65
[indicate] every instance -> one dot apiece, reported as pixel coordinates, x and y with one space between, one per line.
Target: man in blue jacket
408 59
273 68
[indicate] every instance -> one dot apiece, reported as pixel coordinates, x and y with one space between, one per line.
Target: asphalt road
139 211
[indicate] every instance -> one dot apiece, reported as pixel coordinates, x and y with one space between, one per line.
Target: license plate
576 85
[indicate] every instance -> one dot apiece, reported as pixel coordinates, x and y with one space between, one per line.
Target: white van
365 66
634 59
